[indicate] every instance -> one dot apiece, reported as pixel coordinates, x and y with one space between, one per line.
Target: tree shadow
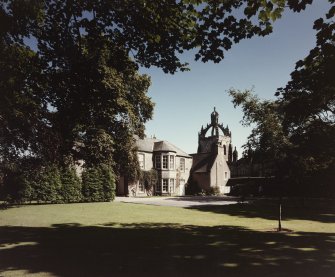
204 199
164 249
268 209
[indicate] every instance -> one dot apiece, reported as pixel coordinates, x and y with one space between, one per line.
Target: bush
71 186
13 186
213 191
92 187
108 182
149 179
98 184
47 185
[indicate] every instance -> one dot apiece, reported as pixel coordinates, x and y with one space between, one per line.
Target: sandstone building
171 163
208 168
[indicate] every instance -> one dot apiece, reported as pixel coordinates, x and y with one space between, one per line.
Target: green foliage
47 185
268 138
71 186
98 184
297 131
150 179
92 187
213 191
13 187
308 102
73 89
108 182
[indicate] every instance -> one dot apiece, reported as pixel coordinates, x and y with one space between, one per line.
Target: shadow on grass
204 199
165 250
268 209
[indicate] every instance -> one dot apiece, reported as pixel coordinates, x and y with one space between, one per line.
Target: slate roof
203 162
154 145
146 144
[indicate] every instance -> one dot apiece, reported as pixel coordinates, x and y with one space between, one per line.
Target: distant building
171 163
210 168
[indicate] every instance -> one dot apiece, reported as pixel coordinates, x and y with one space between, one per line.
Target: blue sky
185 100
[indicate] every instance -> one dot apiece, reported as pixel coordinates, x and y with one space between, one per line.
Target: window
165 161
171 162
182 164
165 185
141 160
158 161
226 175
141 186
171 188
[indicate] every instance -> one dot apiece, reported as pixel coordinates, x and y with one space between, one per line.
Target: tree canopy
297 130
69 82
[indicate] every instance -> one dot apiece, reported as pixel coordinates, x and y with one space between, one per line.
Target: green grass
113 239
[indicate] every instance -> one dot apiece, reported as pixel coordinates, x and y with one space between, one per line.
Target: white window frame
165 162
182 164
141 160
171 185
165 185
171 162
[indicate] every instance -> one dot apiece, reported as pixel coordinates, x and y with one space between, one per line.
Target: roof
154 145
203 162
146 144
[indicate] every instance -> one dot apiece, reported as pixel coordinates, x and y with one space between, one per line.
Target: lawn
122 239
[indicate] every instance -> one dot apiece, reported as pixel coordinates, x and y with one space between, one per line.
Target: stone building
171 164
210 168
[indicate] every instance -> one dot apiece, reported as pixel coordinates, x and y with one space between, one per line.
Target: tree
70 87
268 142
98 183
108 182
308 103
70 190
297 131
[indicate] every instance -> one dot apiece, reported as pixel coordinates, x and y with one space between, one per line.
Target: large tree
69 81
297 130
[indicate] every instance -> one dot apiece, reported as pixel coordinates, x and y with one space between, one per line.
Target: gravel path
183 201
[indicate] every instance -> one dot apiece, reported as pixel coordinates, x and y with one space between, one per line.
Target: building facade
209 168
211 164
171 164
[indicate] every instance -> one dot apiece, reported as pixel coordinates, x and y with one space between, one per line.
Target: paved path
182 201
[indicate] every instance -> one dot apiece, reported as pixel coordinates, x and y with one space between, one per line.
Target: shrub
47 185
149 179
92 187
213 191
70 190
108 182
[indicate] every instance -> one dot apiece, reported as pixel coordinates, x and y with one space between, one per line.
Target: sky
185 100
